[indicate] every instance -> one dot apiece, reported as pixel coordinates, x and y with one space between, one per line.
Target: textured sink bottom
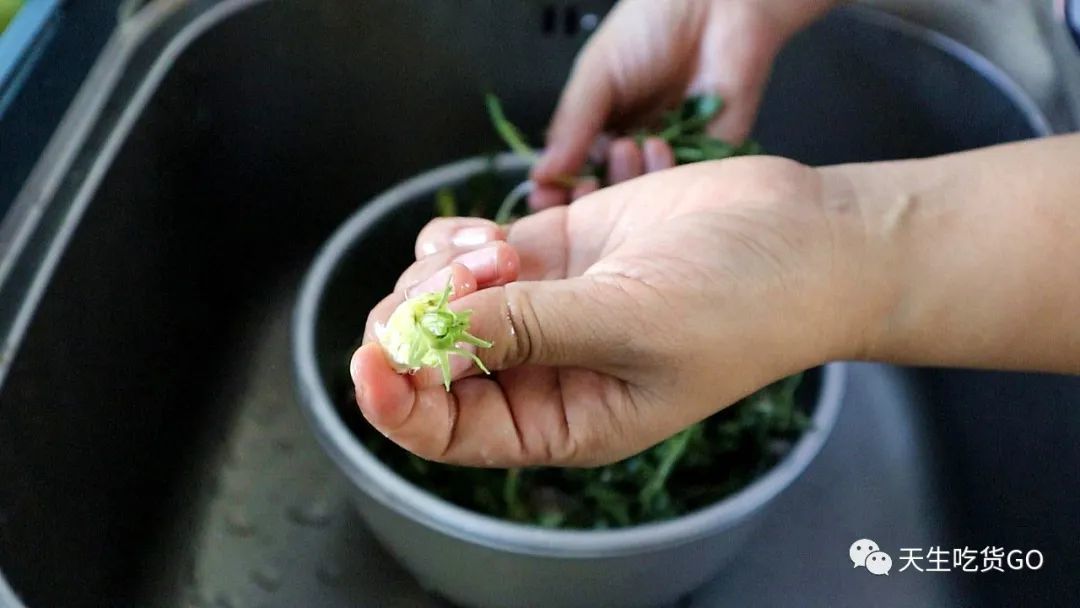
276 529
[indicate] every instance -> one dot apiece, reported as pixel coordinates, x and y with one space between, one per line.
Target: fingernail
483 263
435 282
471 237
358 390
354 368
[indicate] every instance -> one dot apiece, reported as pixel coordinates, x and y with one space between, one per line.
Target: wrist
963 260
885 220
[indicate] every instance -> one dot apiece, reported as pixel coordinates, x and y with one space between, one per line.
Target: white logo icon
860 549
879 563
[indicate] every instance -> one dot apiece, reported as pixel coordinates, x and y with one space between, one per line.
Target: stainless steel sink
151 452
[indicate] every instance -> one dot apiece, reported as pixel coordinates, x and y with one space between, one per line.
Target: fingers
536 416
658 155
545 196
456 232
426 420
470 424
462 282
584 186
579 321
734 123
495 263
568 322
736 67
625 161
532 413
582 111
540 242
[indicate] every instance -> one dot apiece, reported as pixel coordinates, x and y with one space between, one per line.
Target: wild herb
423 332
695 468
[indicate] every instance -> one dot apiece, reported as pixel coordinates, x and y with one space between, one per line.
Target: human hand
647 57
623 318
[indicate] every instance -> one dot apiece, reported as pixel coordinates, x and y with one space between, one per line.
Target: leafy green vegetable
423 332
684 128
506 129
446 203
694 468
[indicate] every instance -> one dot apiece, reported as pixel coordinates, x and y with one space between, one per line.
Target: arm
663 299
971 259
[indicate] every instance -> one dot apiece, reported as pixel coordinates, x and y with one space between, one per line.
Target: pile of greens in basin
696 467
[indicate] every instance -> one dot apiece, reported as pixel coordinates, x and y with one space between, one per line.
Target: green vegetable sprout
423 332
683 128
693 469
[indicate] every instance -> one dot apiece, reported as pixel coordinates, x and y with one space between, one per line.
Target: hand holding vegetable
633 313
645 58
646 306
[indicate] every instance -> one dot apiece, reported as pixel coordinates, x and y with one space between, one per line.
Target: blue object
20 43
1072 20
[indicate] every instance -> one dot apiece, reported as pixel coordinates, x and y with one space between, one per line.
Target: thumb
581 114
579 322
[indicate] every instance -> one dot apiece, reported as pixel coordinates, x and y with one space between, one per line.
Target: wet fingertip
543 197
462 280
383 396
509 265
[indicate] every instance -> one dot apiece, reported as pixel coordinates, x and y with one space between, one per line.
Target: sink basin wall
266 132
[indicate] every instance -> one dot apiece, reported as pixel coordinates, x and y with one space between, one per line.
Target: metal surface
150 450
45 77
